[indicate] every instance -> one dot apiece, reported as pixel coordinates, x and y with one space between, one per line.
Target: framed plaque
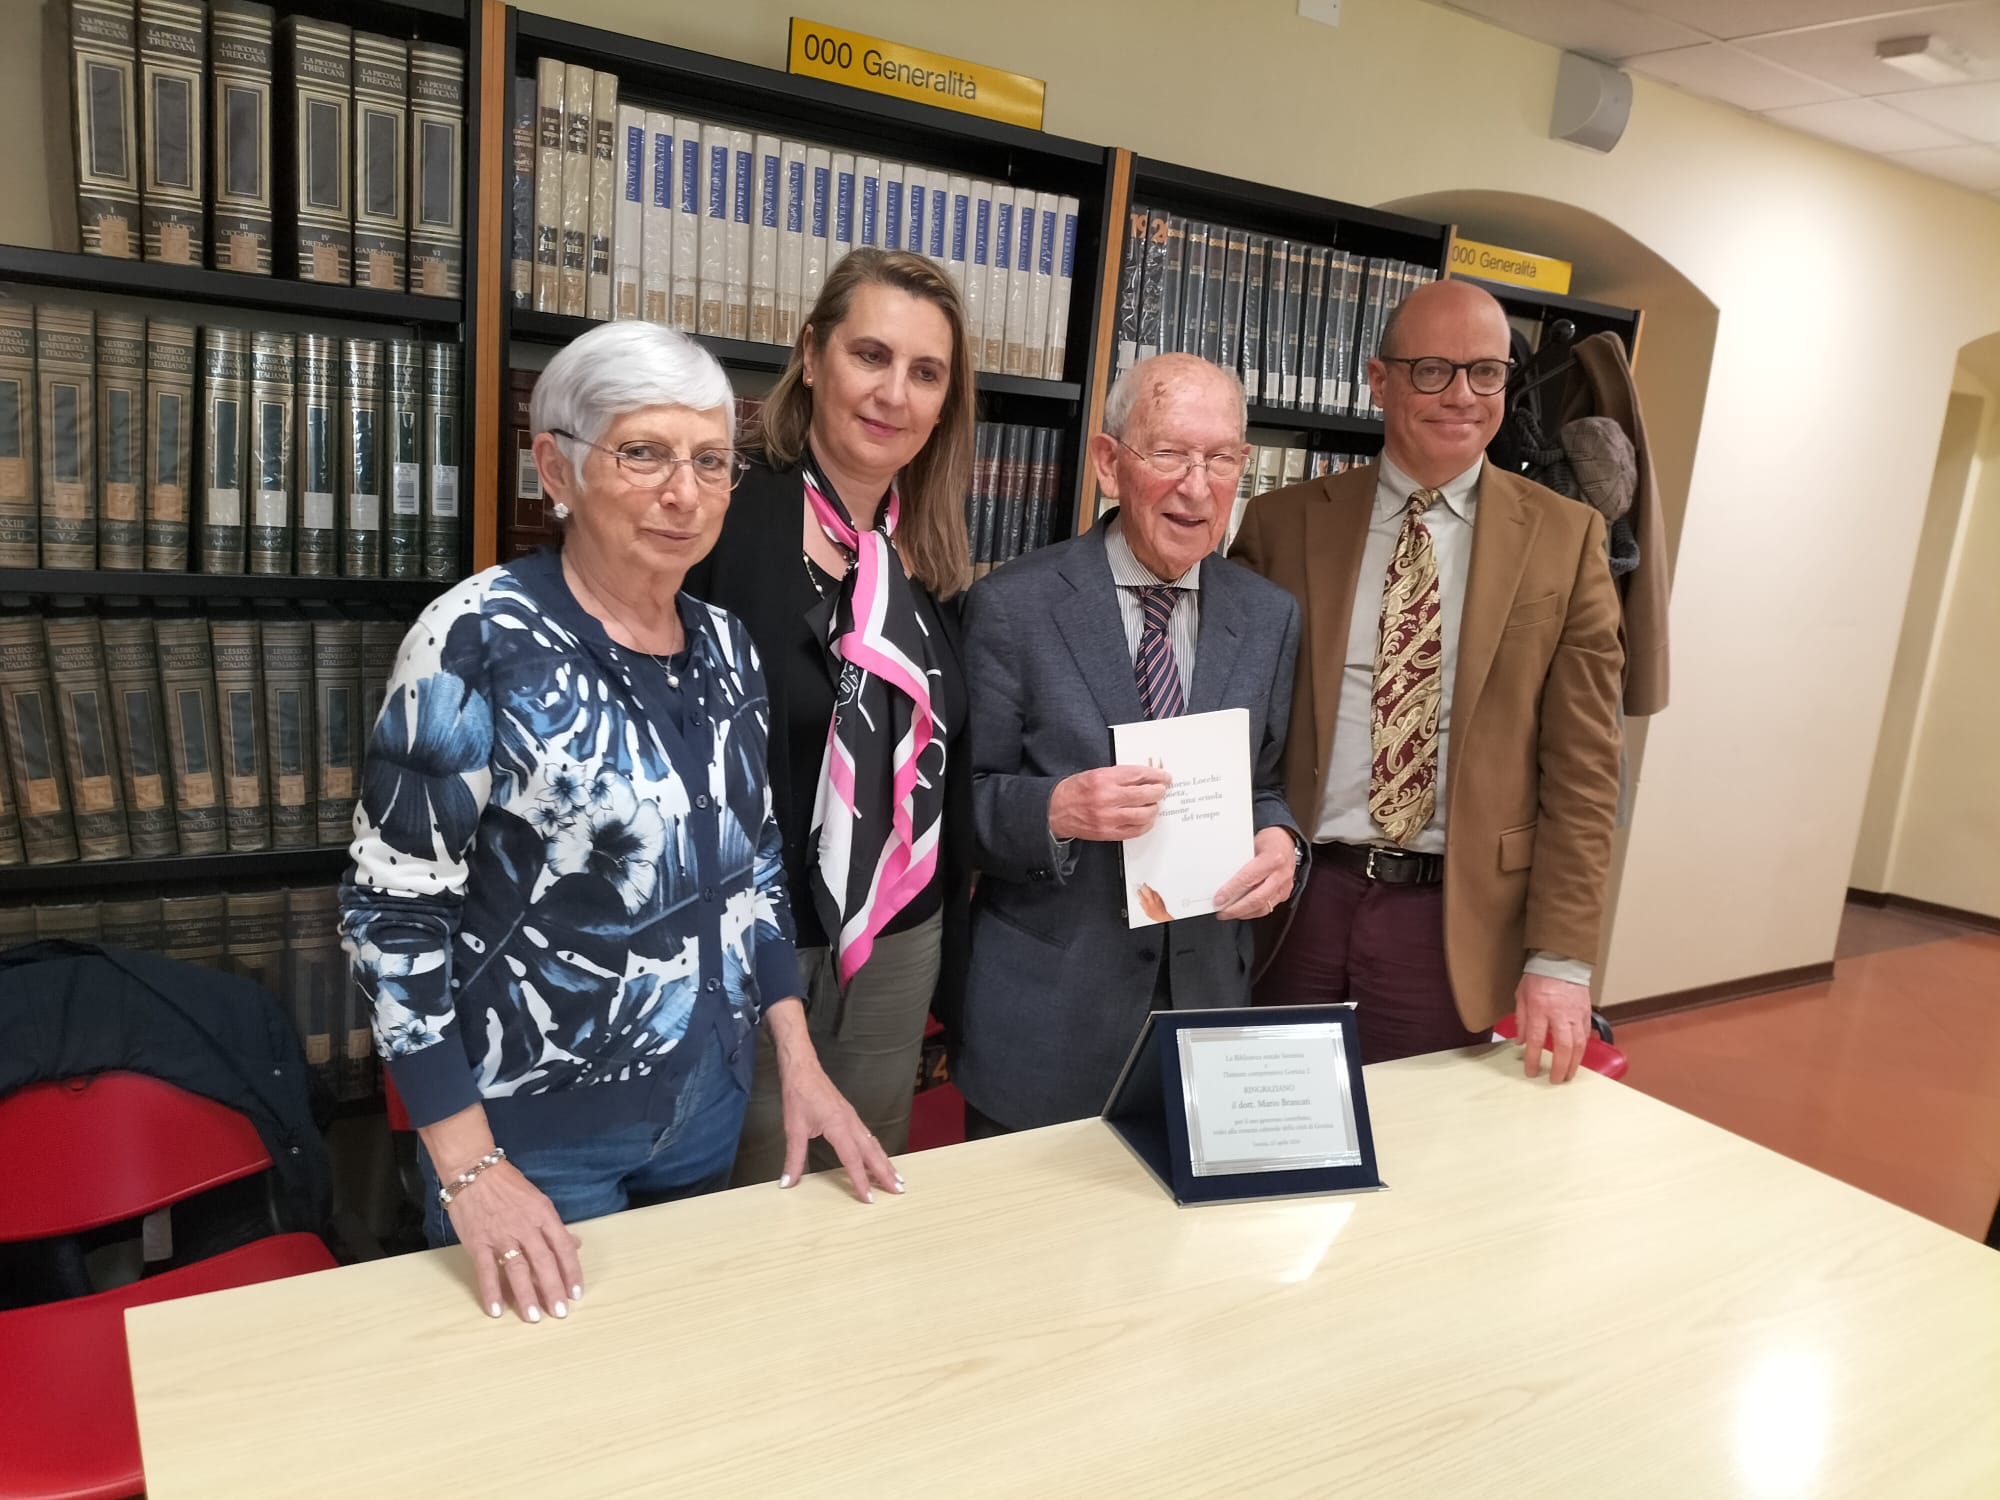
1258 1102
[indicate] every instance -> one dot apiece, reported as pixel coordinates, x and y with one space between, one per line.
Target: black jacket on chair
68 1010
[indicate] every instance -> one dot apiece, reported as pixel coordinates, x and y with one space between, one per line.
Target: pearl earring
559 511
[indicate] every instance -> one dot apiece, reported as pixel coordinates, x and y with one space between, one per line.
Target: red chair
75 1156
1598 1054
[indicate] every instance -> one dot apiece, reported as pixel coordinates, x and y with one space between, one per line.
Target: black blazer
755 572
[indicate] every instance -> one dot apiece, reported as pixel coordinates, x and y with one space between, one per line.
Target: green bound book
121 440
253 935
187 693
444 383
316 434
381 161
171 419
191 929
317 969
66 391
133 924
20 545
240 51
72 921
90 753
361 459
403 414
271 387
173 50
225 436
337 711
33 733
96 43
11 852
239 714
316 222
437 168
288 729
132 668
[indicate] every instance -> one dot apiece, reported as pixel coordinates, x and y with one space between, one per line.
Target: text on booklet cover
1203 832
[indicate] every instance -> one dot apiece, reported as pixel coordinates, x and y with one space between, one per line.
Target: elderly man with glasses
1138 618
1454 741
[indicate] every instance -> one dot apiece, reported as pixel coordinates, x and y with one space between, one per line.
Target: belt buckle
1369 869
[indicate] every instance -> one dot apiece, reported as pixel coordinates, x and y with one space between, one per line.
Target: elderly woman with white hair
568 903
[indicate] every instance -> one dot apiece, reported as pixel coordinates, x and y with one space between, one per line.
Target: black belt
1390 866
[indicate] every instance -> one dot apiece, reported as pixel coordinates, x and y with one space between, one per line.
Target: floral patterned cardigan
566 872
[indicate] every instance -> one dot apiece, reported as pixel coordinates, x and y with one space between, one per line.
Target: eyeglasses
649 466
1487 377
1225 468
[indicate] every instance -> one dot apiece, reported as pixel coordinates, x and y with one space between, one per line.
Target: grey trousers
869 1047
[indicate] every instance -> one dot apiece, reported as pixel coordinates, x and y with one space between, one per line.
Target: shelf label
1515 267
818 50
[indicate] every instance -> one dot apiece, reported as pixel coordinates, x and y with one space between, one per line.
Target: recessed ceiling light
1932 59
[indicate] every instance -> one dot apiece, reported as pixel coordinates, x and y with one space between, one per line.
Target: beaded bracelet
464 1179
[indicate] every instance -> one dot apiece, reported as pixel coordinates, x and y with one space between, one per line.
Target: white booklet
1203 834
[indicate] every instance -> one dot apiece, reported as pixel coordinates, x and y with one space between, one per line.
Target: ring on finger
507 1255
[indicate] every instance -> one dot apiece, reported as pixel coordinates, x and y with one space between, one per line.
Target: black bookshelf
102 275
1242 204
110 583
1549 308
172 870
1322 429
660 76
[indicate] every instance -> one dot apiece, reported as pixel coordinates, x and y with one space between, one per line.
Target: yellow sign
1515 267
867 62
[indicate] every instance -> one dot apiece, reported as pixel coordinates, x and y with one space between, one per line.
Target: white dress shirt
1344 816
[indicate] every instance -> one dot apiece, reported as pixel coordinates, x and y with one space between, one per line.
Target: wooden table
1565 1292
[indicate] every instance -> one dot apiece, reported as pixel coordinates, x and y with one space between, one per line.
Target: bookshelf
691 84
1545 308
309 971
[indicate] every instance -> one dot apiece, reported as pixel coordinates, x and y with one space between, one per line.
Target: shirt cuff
434 1082
778 976
1062 857
1555 966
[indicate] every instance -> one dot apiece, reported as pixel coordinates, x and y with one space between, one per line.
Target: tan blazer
1532 783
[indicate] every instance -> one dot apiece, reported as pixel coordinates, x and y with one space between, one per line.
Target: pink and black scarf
881 793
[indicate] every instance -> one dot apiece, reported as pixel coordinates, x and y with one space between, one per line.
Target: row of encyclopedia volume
1297 321
285 939
219 135
623 211
137 734
130 442
1016 477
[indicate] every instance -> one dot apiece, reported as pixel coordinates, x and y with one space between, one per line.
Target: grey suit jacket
1059 984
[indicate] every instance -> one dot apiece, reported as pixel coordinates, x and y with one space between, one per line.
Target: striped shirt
1131 575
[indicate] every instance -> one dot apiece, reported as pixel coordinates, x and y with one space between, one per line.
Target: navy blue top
566 870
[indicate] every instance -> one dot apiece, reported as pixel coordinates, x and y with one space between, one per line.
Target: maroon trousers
1381 946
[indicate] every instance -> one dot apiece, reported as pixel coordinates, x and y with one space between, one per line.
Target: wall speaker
1593 102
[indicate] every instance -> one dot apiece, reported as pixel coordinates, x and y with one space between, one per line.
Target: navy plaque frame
1155 1109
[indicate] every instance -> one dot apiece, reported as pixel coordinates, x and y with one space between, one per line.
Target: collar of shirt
1126 569
1393 489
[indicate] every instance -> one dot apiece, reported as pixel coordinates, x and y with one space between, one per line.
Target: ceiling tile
1865 124
1844 56
1596 28
1970 109
1968 166
1720 72
1734 18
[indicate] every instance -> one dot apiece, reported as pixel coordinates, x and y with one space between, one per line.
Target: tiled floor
1887 1077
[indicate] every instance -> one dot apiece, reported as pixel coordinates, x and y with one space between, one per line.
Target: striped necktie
1409 680
1157 672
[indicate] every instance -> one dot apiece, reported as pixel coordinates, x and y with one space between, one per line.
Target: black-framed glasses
1226 468
649 466
1430 375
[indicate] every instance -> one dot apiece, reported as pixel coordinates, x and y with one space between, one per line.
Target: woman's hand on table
503 1212
814 1107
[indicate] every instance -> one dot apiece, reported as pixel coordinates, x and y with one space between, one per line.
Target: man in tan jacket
1453 747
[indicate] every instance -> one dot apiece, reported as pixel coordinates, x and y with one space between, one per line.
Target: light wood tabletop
1568 1291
